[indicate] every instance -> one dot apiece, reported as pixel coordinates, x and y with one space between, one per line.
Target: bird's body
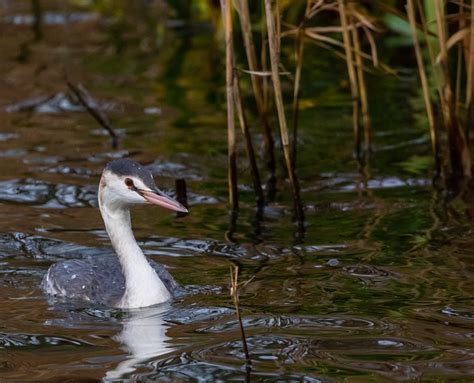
99 281
130 280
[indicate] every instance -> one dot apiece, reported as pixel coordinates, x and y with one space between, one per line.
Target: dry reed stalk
299 46
257 87
364 102
257 185
427 34
277 21
461 26
459 150
234 292
263 60
373 46
470 64
352 76
226 7
424 84
273 44
431 39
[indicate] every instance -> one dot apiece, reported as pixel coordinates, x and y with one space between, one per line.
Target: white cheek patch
118 193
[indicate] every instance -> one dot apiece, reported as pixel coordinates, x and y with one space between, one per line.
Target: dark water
379 290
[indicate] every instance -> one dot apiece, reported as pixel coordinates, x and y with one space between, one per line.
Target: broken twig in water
181 195
91 106
234 293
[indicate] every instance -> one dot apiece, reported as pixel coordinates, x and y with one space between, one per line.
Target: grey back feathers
98 280
129 168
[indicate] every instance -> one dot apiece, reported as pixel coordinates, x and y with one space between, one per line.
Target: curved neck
143 287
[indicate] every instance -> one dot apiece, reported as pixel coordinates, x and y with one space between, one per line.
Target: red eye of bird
129 182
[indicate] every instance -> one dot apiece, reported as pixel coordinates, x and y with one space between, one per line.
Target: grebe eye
129 182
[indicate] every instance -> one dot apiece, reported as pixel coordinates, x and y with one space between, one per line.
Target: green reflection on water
378 253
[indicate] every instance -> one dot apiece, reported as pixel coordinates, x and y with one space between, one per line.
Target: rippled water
380 289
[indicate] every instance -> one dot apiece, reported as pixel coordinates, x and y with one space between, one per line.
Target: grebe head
125 183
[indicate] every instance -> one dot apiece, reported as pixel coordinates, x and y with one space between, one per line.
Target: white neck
143 287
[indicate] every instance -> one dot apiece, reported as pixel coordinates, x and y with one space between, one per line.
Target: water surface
380 289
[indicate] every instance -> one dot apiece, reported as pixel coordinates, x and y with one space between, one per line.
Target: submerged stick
88 102
181 195
273 44
424 85
229 234
234 293
226 6
37 25
352 76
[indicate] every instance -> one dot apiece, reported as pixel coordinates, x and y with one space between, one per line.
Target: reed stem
470 76
273 43
364 102
424 85
459 151
258 91
257 185
459 66
470 63
352 76
226 7
299 47
234 292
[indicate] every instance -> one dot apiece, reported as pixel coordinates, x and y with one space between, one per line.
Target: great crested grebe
129 280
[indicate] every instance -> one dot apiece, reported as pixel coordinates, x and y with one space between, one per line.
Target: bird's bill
161 199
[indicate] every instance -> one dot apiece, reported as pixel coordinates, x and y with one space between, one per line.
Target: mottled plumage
98 280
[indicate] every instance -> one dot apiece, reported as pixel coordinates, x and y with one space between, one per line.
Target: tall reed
258 91
362 87
299 47
459 151
434 25
274 47
226 6
346 37
424 85
257 185
470 72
